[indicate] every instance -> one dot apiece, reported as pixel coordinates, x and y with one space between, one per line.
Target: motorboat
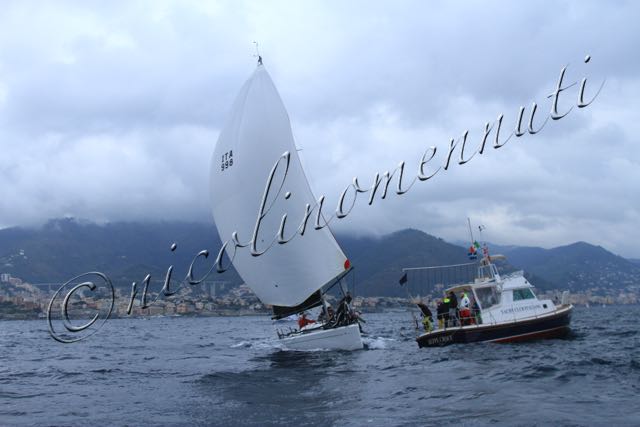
501 309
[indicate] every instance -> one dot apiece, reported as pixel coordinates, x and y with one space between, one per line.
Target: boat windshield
524 293
487 297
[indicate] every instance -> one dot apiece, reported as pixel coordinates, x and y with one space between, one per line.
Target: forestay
256 135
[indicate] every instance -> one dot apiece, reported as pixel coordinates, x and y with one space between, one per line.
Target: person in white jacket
464 301
464 309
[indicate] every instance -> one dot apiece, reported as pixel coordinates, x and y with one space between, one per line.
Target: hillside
127 252
577 267
379 262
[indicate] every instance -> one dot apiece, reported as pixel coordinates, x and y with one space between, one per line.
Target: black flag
403 279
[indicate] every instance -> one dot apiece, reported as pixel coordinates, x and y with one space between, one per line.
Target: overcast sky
110 110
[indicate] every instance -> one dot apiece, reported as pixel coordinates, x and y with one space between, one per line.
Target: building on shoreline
20 300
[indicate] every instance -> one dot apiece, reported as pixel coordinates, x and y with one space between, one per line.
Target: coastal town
20 300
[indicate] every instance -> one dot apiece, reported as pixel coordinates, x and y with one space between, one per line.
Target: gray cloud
111 111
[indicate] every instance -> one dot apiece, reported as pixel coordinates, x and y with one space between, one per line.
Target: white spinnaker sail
256 135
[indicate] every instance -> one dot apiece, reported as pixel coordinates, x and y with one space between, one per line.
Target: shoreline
236 313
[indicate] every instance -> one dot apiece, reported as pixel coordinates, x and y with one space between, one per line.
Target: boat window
486 272
520 294
487 297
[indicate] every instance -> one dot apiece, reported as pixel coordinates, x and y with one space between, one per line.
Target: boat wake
258 344
242 344
370 343
376 343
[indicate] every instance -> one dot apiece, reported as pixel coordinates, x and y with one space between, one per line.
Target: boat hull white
341 338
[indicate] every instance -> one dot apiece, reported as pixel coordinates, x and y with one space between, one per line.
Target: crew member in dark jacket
427 317
443 313
453 309
344 315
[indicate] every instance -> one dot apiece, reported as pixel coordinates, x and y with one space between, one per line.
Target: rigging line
439 267
410 309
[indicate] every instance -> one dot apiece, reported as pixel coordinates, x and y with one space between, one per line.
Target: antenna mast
470 232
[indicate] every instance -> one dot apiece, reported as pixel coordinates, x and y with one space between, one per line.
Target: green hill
127 252
577 267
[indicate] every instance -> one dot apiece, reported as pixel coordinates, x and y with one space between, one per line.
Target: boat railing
424 280
564 300
289 331
344 318
445 320
479 318
285 332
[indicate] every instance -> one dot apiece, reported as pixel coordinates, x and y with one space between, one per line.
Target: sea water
232 371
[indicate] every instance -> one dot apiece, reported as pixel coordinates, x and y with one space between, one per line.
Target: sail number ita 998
227 160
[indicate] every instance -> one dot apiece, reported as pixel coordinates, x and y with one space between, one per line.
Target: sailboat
259 196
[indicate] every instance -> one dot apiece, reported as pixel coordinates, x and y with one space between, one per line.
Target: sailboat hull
342 338
554 325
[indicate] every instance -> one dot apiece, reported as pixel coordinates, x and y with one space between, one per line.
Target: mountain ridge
128 251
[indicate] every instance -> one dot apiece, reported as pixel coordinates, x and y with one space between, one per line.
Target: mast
258 53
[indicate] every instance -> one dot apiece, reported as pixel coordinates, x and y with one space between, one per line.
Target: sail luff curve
257 134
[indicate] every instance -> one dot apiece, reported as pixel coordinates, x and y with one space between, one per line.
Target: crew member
453 309
476 312
464 301
442 310
326 315
344 315
427 317
446 308
303 320
465 312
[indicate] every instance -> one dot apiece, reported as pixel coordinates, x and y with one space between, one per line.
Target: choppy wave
233 371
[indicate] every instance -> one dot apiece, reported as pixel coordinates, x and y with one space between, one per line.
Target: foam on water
241 344
376 343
